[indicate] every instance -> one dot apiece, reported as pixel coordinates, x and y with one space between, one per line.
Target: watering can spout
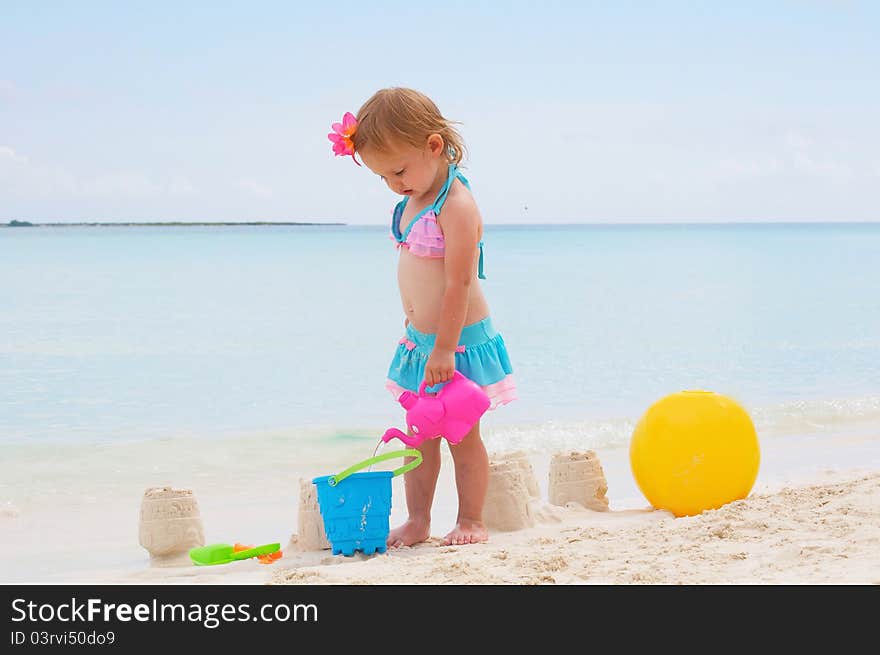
409 440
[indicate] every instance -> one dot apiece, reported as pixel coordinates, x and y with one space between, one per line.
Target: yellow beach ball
694 450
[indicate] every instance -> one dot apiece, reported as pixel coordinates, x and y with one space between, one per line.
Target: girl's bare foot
413 531
466 532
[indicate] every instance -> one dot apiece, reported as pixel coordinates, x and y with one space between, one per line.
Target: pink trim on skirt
500 393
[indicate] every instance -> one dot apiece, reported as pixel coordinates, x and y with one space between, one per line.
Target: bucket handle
333 480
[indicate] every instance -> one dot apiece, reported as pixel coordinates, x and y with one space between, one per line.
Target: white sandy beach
813 517
825 532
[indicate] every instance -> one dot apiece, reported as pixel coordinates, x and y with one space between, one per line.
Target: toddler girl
402 137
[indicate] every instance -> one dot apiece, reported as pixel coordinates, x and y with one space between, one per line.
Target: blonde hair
400 114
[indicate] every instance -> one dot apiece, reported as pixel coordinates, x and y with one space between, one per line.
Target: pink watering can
450 414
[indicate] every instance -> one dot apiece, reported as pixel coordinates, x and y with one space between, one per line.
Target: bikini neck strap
452 173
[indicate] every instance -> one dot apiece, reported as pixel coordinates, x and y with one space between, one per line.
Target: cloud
8 90
761 166
181 186
8 153
255 188
800 155
830 169
798 141
22 177
123 183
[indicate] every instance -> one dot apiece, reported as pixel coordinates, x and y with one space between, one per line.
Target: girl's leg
419 484
472 481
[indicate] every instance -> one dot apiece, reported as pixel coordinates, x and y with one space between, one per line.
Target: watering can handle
424 384
333 480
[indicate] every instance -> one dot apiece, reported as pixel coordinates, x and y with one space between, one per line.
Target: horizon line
123 223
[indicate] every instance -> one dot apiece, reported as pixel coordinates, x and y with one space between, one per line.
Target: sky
599 112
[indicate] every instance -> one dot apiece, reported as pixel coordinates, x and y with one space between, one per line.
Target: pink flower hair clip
342 136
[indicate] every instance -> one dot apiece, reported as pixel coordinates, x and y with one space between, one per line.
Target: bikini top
423 236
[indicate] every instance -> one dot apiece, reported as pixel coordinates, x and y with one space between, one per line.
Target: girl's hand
440 367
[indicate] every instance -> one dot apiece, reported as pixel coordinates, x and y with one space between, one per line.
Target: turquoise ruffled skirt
481 356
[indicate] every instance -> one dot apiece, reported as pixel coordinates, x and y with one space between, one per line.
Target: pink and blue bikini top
423 236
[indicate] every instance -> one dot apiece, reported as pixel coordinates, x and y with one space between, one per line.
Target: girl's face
407 170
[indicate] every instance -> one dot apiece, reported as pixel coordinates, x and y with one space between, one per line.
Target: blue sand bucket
356 507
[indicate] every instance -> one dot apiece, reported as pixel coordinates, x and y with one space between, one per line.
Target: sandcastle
577 476
511 493
170 523
310 524
513 497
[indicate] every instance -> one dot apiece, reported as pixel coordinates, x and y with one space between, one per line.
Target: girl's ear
435 144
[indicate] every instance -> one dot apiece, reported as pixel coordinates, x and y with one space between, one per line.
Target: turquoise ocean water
114 334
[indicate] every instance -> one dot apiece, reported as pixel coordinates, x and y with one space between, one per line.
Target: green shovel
225 553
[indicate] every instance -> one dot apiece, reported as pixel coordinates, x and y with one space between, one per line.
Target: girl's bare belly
422 284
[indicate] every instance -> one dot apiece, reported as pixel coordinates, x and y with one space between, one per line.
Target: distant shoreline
158 224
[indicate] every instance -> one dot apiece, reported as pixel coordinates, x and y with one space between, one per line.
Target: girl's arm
461 232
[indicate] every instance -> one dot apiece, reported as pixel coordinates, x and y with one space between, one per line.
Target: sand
571 518
822 533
